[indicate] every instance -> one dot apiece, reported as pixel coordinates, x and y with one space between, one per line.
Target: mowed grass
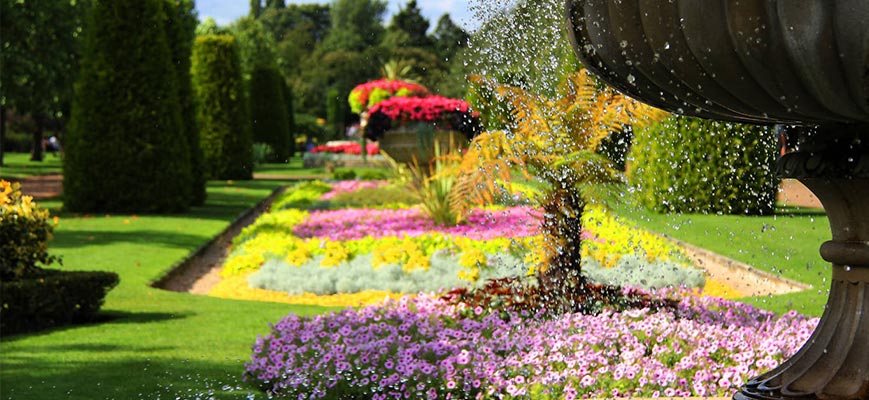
150 343
785 244
18 165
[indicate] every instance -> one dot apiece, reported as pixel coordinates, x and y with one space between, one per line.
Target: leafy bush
301 195
374 175
269 111
24 234
262 153
126 149
692 165
380 197
343 174
221 108
51 298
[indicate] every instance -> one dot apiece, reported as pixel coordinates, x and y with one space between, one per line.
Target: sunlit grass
785 244
18 165
151 343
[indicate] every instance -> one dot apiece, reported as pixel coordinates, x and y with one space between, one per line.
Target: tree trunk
37 148
562 227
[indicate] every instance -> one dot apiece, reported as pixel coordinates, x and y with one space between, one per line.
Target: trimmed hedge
125 150
221 108
269 111
181 29
693 165
53 298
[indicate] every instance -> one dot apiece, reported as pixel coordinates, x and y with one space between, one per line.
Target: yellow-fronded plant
554 139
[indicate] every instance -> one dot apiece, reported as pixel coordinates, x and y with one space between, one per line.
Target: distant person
353 131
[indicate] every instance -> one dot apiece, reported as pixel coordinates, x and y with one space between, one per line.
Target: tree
256 47
276 4
449 37
297 31
269 112
123 150
256 8
525 46
39 61
555 138
410 21
181 27
356 25
221 108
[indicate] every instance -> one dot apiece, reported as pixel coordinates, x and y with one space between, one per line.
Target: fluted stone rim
755 61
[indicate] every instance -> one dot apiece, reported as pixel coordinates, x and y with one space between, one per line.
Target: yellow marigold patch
717 288
236 287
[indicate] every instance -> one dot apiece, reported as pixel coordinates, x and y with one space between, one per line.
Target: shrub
221 109
24 234
301 195
125 149
374 197
52 298
343 174
181 27
374 175
269 111
262 153
692 165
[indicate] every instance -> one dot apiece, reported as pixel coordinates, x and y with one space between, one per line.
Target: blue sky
226 11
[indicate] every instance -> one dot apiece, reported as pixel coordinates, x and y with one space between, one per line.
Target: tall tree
221 107
39 60
277 4
449 38
256 8
356 25
123 150
181 27
410 21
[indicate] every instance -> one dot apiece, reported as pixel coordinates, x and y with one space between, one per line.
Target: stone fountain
797 62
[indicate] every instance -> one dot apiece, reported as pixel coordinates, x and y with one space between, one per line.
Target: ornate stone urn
798 62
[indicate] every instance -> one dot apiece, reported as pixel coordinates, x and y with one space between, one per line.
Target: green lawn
19 166
152 343
785 244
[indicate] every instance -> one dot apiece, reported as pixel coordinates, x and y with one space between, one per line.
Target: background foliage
700 166
221 108
126 150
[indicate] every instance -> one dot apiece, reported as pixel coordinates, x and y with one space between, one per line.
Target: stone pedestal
834 363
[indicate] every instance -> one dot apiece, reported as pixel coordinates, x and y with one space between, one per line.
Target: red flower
360 94
348 148
424 109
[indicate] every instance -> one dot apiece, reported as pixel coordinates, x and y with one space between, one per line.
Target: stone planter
407 144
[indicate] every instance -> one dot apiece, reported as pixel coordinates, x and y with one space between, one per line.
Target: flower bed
423 348
387 251
352 148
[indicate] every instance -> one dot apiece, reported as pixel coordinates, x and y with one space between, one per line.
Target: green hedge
221 108
53 298
181 29
269 111
125 148
693 165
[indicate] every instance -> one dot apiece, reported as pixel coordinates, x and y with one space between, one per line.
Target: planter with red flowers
408 128
368 94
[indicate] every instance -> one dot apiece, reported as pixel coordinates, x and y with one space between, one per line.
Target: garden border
733 272
185 274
